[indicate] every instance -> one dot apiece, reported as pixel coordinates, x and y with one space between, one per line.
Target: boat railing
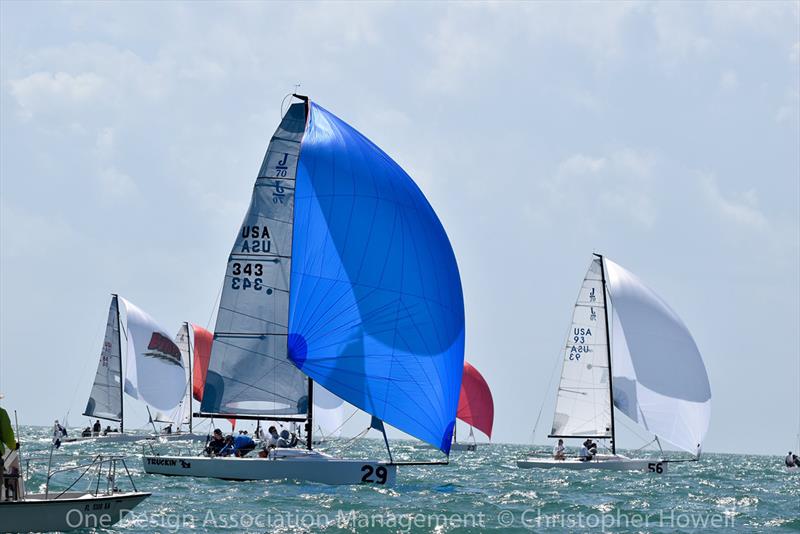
108 467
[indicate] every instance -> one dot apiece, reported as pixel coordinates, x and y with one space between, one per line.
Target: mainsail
376 306
659 377
475 403
583 403
105 400
154 371
249 372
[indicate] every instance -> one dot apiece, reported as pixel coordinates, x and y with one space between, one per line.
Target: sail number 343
248 276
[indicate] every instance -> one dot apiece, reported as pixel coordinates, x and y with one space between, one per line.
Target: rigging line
559 362
83 369
216 303
344 423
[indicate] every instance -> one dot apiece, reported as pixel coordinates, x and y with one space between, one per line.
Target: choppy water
478 491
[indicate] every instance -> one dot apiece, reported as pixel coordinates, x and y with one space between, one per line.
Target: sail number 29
380 472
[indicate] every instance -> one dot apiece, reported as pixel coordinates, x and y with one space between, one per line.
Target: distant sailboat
651 371
341 274
154 371
475 407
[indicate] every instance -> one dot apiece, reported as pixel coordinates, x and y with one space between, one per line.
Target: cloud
19 226
729 80
41 89
620 182
739 208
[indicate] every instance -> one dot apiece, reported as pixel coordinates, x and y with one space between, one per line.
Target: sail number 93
248 276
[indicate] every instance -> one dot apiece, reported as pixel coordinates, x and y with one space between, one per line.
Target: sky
664 135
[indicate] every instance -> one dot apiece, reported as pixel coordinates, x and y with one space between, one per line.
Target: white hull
68 512
463 447
613 463
289 464
794 469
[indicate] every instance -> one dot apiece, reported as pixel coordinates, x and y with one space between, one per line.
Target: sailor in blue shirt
238 446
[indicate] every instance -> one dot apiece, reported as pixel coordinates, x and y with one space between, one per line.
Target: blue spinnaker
376 310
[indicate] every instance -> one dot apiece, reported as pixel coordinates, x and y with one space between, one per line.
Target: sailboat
341 274
154 372
627 349
475 407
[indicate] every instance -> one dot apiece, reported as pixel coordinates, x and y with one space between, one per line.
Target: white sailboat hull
462 447
290 464
612 463
70 511
794 469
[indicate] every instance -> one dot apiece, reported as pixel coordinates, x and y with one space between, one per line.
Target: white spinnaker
583 403
328 412
659 377
154 371
105 399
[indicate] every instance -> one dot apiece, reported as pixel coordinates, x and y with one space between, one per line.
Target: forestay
659 377
105 400
249 372
376 307
154 372
583 402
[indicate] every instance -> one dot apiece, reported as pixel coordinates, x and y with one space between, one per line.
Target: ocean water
479 491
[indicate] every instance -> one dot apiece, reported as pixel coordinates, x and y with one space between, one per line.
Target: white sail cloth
105 400
659 379
328 412
583 402
154 372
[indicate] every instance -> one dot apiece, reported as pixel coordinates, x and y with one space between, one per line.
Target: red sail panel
475 404
202 353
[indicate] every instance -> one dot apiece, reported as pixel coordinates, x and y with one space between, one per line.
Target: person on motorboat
559 451
58 433
790 460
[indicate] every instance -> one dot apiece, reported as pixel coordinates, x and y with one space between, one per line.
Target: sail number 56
380 472
655 467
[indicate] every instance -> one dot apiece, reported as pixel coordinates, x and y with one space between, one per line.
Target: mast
608 352
191 375
121 381
310 413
